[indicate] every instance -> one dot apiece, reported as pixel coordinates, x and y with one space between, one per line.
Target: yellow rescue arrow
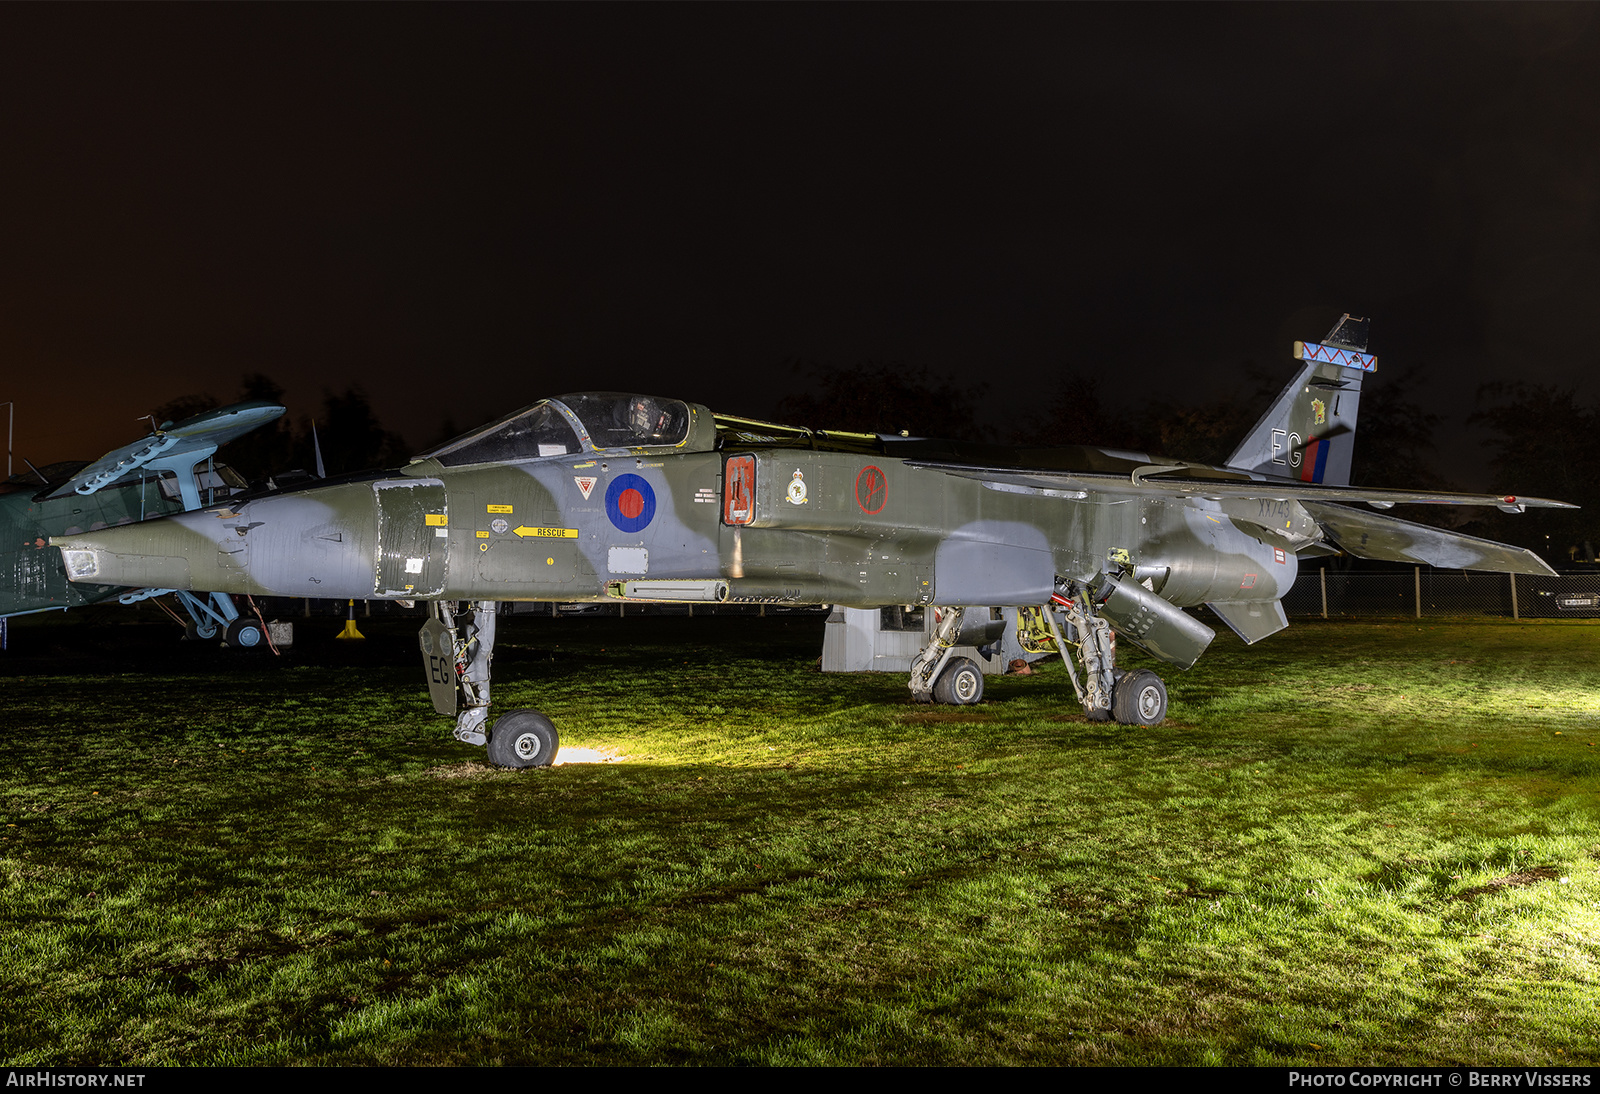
546 533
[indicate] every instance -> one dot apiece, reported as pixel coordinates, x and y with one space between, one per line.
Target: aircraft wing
1162 480
1369 535
199 436
1355 531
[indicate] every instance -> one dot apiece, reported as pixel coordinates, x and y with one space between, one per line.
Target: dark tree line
1547 444
1395 444
1393 449
1545 441
884 398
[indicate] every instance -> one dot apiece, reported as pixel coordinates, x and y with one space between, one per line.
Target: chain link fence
1421 592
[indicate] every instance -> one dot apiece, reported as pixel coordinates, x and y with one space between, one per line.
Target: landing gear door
413 538
438 643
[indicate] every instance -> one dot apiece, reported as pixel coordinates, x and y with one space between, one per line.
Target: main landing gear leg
936 676
459 656
1136 698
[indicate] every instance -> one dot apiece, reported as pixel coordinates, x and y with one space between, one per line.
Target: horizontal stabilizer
1372 535
1251 620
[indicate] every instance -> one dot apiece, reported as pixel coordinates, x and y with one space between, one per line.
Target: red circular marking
872 489
630 503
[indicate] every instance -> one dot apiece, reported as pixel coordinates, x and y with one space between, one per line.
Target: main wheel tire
523 738
960 684
244 634
1140 699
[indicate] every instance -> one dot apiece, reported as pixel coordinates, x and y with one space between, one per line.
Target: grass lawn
1352 844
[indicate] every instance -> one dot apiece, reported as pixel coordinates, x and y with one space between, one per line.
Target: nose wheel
523 738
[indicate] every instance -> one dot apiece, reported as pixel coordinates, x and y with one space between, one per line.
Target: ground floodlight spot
585 756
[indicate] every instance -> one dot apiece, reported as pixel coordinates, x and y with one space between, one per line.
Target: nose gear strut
458 656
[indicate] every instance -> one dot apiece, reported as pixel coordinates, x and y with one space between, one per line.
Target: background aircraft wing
198 436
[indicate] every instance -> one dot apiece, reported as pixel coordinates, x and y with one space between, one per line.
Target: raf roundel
630 503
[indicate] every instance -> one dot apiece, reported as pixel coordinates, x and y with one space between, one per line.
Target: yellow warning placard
499 508
438 519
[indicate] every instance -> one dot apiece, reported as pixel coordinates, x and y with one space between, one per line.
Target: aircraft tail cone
350 625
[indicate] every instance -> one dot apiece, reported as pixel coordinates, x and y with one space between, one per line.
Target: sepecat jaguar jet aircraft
608 496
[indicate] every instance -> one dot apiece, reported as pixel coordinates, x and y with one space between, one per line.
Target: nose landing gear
523 738
457 656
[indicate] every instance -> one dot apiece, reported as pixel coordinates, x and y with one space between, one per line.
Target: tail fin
1309 432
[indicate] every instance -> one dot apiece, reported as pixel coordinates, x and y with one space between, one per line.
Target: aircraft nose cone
153 554
316 544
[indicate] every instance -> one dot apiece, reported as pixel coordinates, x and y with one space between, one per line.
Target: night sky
466 208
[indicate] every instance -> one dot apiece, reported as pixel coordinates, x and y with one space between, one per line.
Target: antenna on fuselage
316 448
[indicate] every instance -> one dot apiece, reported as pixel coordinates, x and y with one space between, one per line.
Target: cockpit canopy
629 421
584 422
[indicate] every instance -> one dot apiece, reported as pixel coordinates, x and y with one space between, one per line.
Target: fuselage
541 507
